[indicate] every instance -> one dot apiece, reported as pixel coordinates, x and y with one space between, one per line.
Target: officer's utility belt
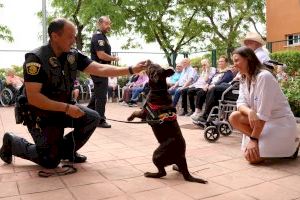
158 114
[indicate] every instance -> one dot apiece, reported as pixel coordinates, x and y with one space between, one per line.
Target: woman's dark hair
56 26
254 65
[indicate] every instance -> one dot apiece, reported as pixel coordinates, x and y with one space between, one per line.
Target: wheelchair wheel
224 129
6 97
211 134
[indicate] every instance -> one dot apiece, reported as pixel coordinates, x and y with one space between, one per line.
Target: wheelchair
7 95
217 122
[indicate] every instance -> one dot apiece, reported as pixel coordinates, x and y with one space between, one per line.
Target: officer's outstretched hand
74 111
143 65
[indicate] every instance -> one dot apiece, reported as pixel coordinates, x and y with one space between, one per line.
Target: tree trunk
229 50
79 39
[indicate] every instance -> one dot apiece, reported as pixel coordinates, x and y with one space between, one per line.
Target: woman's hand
253 118
252 151
171 88
211 86
205 87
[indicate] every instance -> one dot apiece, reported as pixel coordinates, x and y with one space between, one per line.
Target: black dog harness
159 114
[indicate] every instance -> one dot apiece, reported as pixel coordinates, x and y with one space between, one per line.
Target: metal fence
16 57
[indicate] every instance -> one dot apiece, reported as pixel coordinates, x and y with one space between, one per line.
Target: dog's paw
130 118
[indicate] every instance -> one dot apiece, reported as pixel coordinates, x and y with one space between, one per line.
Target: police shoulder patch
33 68
101 43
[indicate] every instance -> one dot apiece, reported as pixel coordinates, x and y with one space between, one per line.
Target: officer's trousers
50 143
98 100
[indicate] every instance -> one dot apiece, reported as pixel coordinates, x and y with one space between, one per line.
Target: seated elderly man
187 77
175 77
255 42
189 93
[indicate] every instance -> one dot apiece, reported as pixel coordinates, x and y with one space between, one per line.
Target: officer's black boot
76 158
17 146
6 149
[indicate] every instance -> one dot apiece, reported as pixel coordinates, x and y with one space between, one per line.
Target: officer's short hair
56 26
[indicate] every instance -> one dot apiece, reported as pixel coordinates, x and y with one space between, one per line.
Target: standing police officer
49 73
101 53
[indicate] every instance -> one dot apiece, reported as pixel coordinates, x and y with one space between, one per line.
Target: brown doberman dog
161 116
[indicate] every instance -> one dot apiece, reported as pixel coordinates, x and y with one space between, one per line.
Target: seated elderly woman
263 114
135 88
13 80
224 75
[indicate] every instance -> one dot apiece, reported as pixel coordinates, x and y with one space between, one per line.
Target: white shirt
112 81
201 82
279 137
262 54
187 74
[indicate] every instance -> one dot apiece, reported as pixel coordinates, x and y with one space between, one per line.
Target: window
293 39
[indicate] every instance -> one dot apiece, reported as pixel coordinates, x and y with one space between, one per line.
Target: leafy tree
84 13
5 33
191 25
176 25
171 24
227 20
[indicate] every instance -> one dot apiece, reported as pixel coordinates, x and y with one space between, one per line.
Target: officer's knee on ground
48 162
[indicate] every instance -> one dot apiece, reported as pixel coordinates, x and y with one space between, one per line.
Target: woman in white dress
263 114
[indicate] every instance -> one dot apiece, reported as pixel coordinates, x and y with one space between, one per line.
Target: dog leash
69 169
141 122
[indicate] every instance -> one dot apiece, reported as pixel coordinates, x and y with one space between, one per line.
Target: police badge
33 68
101 43
71 58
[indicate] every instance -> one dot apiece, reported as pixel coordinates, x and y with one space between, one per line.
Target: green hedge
122 80
291 89
291 59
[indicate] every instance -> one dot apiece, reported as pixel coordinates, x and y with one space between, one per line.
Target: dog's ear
169 72
148 63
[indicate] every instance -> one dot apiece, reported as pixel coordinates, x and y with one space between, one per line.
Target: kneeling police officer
49 74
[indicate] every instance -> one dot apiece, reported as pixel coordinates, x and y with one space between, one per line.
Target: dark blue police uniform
57 76
99 42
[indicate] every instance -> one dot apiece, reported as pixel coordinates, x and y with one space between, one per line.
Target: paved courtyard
118 157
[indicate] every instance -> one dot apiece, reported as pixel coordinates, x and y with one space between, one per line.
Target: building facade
283 25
